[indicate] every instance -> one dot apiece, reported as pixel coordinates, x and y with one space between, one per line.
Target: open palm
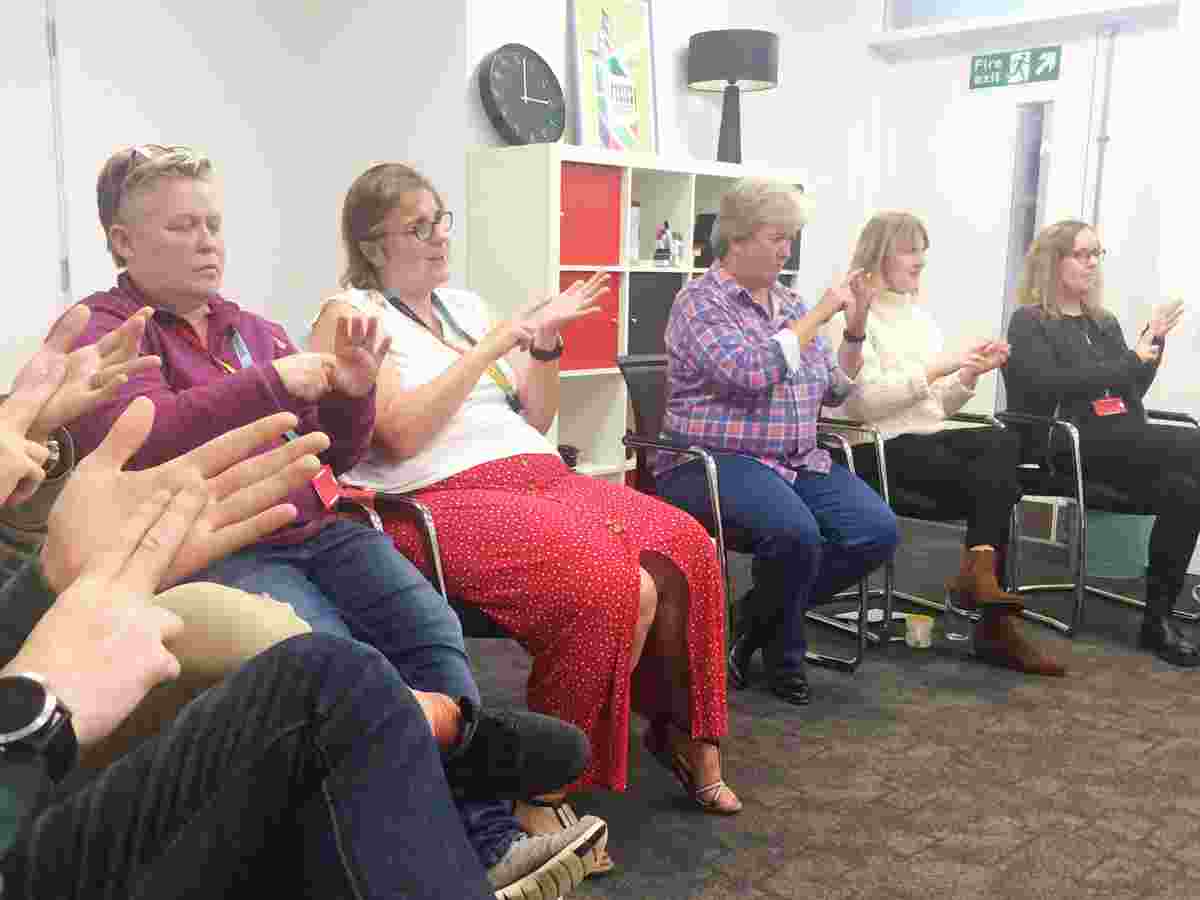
575 302
93 373
359 351
244 494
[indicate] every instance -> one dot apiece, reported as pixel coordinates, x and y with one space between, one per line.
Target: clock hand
536 100
524 83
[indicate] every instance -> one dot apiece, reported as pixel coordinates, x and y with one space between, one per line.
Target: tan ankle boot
999 641
976 586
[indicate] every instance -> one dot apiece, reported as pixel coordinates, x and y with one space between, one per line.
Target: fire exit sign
1016 67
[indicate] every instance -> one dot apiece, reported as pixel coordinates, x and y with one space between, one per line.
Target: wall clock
521 95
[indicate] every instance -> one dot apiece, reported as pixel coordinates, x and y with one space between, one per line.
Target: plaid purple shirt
728 383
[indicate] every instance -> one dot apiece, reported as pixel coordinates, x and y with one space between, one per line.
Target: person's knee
880 535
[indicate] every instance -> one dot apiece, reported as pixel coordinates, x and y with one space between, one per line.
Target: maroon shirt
196 398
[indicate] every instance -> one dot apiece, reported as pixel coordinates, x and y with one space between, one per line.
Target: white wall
291 101
688 122
29 228
295 98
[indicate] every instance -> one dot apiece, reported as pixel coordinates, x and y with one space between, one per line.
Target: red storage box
591 342
590 226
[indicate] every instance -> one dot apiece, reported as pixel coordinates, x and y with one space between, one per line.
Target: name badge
326 487
1109 406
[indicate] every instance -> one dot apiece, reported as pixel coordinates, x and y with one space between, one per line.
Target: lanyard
245 361
494 371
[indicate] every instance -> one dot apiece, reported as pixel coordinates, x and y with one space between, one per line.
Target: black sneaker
514 754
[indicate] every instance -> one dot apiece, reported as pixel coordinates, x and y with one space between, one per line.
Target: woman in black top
1069 359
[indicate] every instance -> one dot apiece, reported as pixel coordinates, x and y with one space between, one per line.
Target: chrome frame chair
1076 495
630 365
475 622
888 593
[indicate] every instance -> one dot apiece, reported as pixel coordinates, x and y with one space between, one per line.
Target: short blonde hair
371 198
134 170
752 203
881 235
1039 279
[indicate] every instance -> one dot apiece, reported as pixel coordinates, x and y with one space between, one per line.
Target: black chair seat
913 505
475 622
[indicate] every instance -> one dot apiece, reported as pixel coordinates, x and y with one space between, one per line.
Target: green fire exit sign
1016 67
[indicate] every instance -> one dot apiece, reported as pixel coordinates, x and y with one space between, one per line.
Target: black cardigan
1054 371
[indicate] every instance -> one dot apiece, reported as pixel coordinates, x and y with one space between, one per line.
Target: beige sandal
545 817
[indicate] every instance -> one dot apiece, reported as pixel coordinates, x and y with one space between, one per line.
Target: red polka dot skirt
553 557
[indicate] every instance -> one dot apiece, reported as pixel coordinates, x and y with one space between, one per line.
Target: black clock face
521 95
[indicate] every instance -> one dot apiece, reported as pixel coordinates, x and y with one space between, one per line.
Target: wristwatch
853 338
547 355
33 721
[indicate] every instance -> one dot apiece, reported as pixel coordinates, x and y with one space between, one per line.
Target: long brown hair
1039 280
372 196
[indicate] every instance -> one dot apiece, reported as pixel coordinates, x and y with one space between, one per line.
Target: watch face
522 96
22 701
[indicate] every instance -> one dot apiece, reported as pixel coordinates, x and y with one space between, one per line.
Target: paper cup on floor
918 631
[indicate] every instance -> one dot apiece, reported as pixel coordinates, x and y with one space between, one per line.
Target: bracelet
853 338
547 355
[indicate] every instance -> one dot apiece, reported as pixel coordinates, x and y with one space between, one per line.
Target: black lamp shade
743 56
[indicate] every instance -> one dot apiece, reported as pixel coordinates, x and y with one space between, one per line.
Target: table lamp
731 61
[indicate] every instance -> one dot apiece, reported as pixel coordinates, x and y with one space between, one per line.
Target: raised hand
245 493
101 646
358 352
986 356
549 316
504 337
1165 317
21 459
94 373
840 296
306 376
864 289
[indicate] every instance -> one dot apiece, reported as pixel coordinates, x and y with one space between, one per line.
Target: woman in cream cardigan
908 386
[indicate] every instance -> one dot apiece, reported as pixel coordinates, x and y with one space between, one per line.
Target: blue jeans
309 772
810 539
349 580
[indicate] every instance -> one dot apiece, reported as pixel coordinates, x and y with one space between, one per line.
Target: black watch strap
547 355
853 338
47 734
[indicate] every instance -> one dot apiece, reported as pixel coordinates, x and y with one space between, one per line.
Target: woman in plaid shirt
748 374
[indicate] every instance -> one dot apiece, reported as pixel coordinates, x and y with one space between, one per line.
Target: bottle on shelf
662 247
633 234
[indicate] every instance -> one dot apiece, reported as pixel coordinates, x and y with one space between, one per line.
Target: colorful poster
614 69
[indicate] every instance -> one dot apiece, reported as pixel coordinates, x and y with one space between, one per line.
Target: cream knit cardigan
894 396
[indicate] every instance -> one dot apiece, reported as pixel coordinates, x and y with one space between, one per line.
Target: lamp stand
729 144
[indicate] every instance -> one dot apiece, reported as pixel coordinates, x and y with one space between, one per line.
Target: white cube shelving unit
543 215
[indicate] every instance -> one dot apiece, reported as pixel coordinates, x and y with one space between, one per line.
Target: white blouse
484 428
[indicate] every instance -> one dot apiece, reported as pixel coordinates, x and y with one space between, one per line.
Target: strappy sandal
597 860
708 796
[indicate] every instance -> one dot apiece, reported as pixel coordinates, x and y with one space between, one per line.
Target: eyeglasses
1096 253
423 229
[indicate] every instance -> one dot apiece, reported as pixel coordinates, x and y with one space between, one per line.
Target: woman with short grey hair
748 372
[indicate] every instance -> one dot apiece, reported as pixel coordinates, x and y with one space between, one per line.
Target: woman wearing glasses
1070 360
222 367
617 596
908 384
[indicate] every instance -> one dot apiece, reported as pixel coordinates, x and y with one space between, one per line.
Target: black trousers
971 473
1161 465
